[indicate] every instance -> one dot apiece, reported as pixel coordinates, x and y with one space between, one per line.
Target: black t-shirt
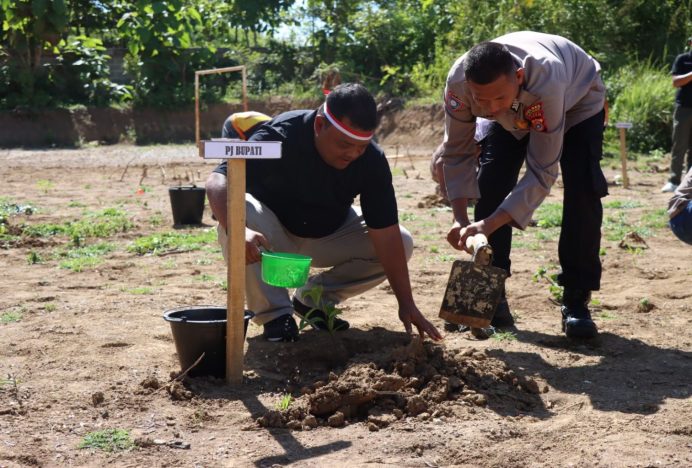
681 66
311 198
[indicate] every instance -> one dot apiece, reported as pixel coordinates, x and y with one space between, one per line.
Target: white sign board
239 149
623 125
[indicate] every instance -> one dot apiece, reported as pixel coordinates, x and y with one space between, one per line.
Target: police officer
682 119
546 99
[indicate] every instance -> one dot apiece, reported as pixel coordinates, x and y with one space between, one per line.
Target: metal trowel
474 288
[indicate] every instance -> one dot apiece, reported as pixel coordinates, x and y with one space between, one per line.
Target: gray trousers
682 143
348 254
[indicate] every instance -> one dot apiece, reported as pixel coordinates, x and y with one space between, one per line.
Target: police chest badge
453 102
534 115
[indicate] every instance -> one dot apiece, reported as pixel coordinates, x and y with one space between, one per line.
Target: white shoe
669 187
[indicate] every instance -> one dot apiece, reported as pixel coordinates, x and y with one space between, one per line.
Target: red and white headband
349 132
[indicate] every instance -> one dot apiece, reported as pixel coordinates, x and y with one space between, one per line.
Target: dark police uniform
556 121
682 120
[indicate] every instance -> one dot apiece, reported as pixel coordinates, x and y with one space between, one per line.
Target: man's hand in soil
253 241
412 316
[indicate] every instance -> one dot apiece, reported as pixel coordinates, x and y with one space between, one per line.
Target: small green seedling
108 440
49 307
33 258
556 291
330 310
645 305
504 336
285 402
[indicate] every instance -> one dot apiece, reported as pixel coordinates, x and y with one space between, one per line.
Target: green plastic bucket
285 270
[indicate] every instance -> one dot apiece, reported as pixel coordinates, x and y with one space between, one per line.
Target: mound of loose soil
415 381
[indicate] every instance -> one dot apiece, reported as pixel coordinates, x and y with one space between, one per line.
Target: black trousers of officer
501 159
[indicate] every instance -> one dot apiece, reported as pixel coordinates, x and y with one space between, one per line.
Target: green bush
644 95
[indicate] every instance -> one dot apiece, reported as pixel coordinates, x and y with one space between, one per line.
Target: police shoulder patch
453 102
534 114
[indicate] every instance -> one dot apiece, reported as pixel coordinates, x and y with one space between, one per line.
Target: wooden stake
235 299
623 158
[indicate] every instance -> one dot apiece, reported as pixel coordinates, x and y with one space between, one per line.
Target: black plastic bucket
187 203
197 330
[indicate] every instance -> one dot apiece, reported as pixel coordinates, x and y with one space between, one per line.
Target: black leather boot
576 318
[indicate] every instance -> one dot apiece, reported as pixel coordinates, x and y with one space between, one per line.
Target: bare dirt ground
88 351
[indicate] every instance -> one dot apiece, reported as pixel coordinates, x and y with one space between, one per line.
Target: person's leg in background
682 140
582 215
502 156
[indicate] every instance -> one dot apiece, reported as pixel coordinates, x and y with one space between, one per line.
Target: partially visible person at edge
546 99
682 119
303 203
680 210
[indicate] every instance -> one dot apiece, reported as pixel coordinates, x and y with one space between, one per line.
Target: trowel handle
475 243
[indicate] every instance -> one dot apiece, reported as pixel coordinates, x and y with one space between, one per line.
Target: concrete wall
69 128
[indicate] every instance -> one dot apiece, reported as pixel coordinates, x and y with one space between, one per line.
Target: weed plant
99 224
11 316
82 258
158 244
108 440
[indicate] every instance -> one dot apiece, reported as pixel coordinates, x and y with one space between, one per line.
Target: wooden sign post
236 151
623 126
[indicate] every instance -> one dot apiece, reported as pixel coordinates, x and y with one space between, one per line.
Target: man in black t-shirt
682 119
302 203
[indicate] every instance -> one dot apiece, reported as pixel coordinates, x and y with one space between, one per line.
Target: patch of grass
434 249
82 258
204 261
408 217
11 316
504 336
108 440
158 244
156 219
99 224
655 219
285 402
140 291
605 315
76 204
204 278
549 234
445 258
549 215
49 307
622 204
44 185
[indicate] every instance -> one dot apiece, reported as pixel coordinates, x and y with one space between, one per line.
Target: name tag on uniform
239 149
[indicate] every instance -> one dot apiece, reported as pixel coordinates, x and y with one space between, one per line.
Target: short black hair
352 100
488 61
